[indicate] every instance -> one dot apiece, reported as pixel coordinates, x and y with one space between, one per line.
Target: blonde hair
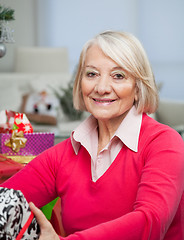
127 51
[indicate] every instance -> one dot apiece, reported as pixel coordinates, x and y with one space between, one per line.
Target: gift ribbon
25 227
17 141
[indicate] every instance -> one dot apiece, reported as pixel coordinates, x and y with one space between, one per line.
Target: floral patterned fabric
16 219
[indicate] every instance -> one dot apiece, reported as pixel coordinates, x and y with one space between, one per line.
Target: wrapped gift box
8 168
20 143
36 143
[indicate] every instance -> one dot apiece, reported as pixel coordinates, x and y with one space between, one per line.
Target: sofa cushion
171 112
41 60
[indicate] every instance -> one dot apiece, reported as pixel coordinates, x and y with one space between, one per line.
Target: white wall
72 23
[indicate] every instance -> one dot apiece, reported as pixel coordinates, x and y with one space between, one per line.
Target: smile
103 100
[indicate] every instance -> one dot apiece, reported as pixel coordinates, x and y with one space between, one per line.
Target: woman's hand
47 231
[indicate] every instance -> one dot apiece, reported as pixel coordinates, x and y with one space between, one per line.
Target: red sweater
140 196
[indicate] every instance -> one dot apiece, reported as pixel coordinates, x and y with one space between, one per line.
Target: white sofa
171 112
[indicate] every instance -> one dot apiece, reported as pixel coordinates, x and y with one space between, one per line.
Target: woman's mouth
103 101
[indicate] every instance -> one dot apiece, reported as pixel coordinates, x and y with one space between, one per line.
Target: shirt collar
128 132
85 134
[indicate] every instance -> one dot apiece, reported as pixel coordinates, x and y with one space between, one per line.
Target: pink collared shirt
86 134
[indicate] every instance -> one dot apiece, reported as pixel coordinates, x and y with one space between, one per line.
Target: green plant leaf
6 13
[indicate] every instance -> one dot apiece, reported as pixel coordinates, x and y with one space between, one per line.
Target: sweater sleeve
37 180
158 197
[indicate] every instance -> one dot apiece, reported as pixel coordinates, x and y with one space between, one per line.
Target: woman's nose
103 86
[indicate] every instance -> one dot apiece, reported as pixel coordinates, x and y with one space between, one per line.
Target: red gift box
8 168
13 121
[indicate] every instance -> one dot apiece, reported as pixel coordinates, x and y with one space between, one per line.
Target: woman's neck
107 128
106 131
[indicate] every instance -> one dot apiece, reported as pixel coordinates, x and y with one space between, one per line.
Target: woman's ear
136 98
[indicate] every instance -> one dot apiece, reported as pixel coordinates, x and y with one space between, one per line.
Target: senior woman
121 173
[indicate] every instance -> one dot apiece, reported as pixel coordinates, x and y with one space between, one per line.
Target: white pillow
41 103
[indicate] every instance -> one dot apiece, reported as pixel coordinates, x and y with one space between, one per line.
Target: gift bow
16 141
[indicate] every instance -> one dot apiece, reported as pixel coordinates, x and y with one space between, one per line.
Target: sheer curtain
161 29
44 20
71 23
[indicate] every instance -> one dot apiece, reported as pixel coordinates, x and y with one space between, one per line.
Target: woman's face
108 90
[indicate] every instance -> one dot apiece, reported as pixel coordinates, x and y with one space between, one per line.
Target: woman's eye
91 74
118 75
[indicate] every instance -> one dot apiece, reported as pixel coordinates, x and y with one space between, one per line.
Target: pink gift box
37 142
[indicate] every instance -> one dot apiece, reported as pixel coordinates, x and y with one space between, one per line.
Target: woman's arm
37 179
